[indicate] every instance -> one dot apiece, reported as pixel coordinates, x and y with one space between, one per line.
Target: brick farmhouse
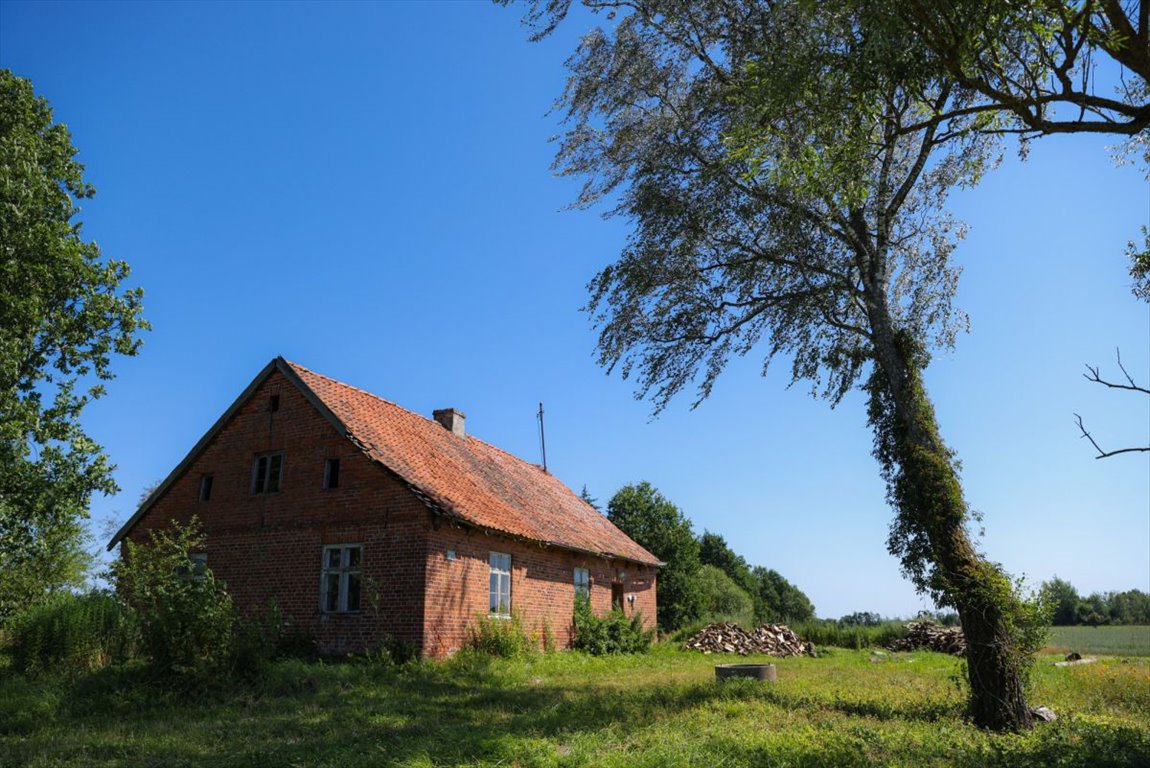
362 520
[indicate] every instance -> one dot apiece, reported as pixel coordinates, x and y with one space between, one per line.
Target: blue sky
366 190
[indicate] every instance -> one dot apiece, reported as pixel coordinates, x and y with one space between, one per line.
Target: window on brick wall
582 583
266 472
196 567
500 602
342 578
206 488
331 473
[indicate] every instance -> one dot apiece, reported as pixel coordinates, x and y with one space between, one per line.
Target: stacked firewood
770 639
926 635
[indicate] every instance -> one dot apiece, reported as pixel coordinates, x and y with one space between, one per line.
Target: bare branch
1101 453
1095 377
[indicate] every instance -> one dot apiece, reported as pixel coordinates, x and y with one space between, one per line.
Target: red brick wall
268 547
542 586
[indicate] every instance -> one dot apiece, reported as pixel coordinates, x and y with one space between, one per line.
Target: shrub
188 626
723 599
498 636
72 633
613 633
857 636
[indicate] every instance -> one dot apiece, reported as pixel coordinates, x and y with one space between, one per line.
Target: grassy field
1110 641
848 708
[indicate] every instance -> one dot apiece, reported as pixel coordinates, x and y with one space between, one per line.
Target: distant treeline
1070 608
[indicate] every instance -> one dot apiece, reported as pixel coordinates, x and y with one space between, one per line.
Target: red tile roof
469 479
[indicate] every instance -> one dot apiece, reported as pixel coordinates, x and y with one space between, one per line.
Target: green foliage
662 708
610 634
853 636
723 599
187 622
713 550
649 518
72 633
1096 609
1063 599
63 316
499 636
860 619
1140 266
777 600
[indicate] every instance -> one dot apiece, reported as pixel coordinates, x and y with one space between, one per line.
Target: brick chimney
451 420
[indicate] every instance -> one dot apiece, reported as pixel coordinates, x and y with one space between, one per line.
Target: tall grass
857 638
72 633
662 709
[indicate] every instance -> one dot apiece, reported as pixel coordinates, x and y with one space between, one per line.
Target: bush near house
610 634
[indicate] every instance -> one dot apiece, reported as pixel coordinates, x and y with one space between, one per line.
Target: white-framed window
267 470
342 578
500 602
582 583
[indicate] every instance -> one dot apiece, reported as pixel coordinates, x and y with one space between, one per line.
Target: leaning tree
785 173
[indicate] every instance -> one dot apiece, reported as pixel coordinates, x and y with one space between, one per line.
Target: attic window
266 472
275 404
206 488
331 473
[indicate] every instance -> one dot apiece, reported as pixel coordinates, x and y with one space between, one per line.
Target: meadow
846 708
1111 641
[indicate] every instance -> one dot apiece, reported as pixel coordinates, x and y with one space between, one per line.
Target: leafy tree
776 599
1129 607
1034 59
187 621
860 619
713 550
645 515
722 598
1062 598
784 170
63 316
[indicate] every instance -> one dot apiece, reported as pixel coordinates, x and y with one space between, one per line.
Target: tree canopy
784 168
649 518
63 318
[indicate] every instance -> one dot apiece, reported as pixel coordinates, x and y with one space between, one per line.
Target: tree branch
1095 377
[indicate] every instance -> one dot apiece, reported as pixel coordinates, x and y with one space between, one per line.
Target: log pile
769 639
928 636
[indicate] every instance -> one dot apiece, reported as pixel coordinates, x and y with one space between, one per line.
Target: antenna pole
542 438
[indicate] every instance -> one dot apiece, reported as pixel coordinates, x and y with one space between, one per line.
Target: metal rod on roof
542 438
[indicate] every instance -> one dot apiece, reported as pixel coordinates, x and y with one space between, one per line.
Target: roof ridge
361 390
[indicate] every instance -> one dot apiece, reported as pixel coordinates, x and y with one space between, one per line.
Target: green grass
847 708
1111 641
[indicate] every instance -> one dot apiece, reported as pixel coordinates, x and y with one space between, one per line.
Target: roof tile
470 479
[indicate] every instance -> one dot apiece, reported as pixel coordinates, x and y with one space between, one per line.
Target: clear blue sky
365 189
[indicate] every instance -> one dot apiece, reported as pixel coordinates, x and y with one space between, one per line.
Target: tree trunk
924 487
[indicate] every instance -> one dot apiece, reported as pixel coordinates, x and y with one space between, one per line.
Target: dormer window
266 472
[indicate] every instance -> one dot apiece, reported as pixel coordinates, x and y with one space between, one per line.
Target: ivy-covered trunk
930 537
